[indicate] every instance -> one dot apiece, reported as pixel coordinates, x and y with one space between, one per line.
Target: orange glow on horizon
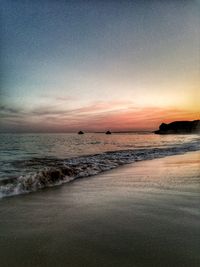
119 120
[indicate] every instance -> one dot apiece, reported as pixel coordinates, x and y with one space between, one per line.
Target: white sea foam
65 171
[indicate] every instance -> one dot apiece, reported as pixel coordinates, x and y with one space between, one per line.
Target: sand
142 214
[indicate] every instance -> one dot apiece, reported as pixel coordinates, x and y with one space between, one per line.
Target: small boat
108 132
80 132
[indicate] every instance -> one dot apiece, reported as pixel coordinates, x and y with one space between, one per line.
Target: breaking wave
65 171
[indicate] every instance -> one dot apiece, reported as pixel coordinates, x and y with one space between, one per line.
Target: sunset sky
98 65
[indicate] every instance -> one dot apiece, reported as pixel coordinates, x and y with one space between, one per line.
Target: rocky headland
179 127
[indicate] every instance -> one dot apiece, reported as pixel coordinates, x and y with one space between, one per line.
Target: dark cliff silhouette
179 127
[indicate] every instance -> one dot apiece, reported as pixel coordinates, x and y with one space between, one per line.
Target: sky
98 65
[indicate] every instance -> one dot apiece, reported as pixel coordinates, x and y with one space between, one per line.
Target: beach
142 214
99 134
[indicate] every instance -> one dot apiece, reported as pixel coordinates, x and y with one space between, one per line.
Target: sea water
29 162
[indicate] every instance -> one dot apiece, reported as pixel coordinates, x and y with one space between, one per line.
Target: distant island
179 127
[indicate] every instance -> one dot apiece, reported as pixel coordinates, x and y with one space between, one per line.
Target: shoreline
54 172
141 214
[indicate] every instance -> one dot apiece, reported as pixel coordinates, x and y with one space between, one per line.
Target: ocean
31 162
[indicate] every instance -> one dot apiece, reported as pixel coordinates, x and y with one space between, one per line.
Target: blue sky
60 58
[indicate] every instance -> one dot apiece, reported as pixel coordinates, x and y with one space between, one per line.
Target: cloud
65 98
58 98
98 116
9 110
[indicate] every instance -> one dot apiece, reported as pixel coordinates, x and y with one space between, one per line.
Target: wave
65 171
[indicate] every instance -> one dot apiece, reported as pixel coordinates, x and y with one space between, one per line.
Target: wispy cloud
115 115
56 98
9 110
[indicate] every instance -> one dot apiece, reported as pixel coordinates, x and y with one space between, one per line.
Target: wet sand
143 214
